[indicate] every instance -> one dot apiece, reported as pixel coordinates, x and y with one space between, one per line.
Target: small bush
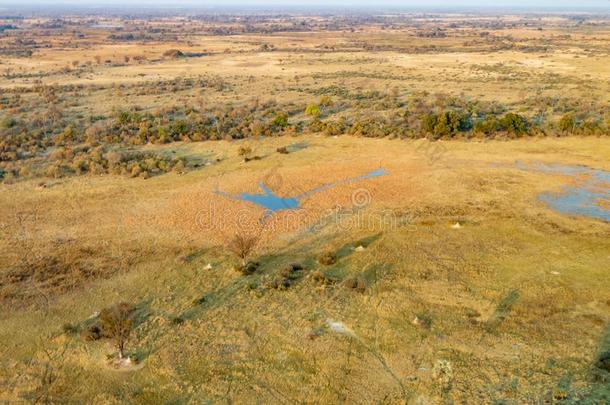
247 268
423 319
327 259
321 278
357 284
9 123
69 329
488 126
280 120
244 151
291 272
92 332
200 300
313 110
177 320
173 53
279 283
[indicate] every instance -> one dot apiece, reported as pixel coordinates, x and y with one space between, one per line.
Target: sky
605 4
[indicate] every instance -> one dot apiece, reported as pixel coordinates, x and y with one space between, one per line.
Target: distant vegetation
47 141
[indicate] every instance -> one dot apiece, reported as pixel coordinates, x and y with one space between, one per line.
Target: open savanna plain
126 144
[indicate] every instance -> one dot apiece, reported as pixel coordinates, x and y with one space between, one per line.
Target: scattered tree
117 323
514 123
242 246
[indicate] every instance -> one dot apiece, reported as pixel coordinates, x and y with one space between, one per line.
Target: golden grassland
507 65
511 306
246 340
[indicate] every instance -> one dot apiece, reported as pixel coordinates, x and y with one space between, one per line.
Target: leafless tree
117 324
242 246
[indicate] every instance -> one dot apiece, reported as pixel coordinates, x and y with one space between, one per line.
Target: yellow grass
243 342
476 291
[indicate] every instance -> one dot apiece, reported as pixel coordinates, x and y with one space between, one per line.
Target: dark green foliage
514 124
29 140
445 124
487 126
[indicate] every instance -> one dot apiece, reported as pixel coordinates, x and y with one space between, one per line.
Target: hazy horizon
314 4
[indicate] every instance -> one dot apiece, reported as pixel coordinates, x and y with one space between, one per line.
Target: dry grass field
448 280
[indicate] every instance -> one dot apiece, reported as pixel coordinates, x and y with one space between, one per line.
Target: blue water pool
273 203
589 196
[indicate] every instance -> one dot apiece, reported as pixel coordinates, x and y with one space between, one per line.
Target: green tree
514 123
487 126
428 123
443 126
567 123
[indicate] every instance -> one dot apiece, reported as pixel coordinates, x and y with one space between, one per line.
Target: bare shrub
117 324
242 246
327 259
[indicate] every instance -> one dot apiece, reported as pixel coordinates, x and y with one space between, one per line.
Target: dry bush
116 323
321 278
357 284
286 276
244 151
327 259
242 246
173 53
